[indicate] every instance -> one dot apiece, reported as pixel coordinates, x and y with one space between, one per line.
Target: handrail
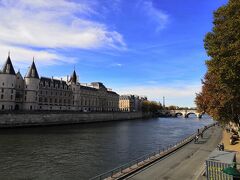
147 157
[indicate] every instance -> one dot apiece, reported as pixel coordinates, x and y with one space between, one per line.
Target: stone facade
38 118
41 93
131 103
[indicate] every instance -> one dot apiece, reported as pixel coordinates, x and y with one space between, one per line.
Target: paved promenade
187 163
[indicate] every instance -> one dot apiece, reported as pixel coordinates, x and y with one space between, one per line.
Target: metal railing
147 159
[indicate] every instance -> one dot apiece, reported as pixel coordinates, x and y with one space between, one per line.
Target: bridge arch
189 113
186 113
178 114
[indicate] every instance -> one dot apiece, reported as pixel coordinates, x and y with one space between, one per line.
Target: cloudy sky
145 47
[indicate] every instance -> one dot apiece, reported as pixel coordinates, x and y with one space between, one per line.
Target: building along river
82 151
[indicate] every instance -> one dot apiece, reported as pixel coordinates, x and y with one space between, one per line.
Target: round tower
31 89
7 86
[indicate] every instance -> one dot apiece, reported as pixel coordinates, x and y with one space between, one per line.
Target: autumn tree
220 95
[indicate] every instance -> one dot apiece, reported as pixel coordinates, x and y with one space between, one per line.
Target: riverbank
186 163
24 119
229 147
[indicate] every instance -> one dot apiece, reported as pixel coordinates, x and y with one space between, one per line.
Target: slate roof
54 81
32 73
8 67
74 77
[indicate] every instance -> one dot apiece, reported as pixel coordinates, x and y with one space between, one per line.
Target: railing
147 159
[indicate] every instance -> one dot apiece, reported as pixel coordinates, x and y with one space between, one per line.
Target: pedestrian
196 138
222 146
198 131
201 134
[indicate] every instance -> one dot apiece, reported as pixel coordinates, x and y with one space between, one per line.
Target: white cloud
116 65
22 57
64 78
28 24
158 16
175 94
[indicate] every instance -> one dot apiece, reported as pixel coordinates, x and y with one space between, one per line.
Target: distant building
131 103
41 93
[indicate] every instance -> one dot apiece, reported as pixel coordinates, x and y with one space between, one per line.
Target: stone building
41 93
131 103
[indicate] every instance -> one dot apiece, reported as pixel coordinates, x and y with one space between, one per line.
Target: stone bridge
185 113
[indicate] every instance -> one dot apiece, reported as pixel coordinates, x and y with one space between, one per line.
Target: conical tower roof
8 67
74 77
32 72
19 75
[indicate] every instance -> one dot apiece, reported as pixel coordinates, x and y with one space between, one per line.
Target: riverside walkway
186 163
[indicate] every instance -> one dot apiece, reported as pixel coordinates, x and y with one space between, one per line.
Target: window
11 97
2 107
3 85
2 96
2 90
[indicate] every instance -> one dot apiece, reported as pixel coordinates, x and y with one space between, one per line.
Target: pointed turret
32 72
19 76
8 67
74 77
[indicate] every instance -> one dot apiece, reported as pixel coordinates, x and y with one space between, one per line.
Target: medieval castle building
41 93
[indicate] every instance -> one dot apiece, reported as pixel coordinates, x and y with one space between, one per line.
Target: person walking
196 139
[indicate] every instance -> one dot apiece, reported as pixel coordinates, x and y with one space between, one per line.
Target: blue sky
145 47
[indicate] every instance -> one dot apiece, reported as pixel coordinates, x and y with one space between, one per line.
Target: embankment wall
59 118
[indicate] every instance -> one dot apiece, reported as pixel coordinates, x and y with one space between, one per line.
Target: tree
172 107
151 106
220 95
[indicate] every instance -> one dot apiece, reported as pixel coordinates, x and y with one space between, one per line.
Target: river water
85 150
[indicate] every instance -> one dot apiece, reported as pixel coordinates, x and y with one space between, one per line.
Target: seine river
85 150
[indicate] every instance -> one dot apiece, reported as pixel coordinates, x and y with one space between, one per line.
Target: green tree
172 107
151 106
220 95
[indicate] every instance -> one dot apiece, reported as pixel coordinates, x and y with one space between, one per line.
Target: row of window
11 97
4 84
56 86
56 93
2 90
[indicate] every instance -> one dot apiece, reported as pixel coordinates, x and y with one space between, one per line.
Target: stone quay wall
60 118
